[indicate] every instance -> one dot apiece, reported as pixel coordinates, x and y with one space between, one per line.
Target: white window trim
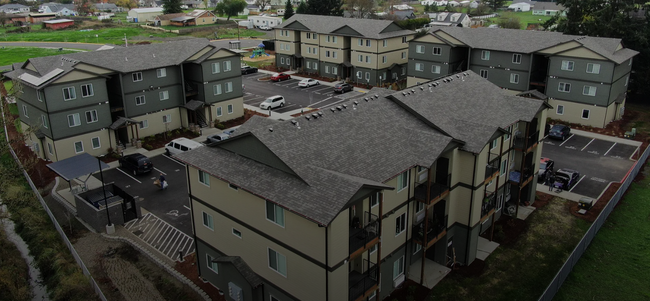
583 114
203 215
557 110
199 172
399 182
209 263
44 121
219 111
565 85
592 68
163 93
144 100
136 76
419 69
91 115
144 124
485 55
274 211
568 63
79 118
92 91
514 78
589 94
99 142
238 236
161 72
277 261
419 48
25 112
168 117
75 147
403 267
403 216
433 51
73 92
230 109
514 56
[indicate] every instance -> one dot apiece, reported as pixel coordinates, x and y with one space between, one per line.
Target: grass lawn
522 270
13 109
114 35
8 86
10 55
524 17
617 264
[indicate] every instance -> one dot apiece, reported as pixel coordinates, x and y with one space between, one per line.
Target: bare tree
4 18
262 3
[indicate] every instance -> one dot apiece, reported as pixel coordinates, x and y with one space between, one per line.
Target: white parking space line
176 161
160 171
592 140
188 208
609 149
128 175
314 86
566 140
313 104
325 88
289 106
574 186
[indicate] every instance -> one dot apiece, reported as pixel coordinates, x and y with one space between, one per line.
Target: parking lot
599 161
318 97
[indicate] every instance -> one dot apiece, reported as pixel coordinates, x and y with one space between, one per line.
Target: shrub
220 126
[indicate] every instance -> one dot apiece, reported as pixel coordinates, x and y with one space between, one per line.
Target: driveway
599 160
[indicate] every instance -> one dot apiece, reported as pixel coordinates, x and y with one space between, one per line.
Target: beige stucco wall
340 41
354 45
64 148
573 113
340 55
560 48
305 53
237 106
339 248
305 40
74 76
393 44
292 36
394 57
156 125
293 47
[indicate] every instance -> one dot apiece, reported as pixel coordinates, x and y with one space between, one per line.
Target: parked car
180 145
308 82
342 87
568 177
230 131
248 69
272 102
136 163
560 131
264 27
217 138
276 77
546 166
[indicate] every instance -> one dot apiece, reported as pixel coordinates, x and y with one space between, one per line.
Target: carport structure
76 167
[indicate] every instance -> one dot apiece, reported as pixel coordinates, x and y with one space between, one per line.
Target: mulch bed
191 271
407 289
305 112
475 269
239 121
159 140
507 230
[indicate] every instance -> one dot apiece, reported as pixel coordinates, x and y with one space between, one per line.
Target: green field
8 85
10 55
524 17
616 266
113 35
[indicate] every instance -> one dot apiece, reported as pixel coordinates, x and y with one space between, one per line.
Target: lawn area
8 86
524 17
616 266
227 33
10 55
113 35
521 270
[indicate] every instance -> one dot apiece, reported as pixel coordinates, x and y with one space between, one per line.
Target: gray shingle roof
548 6
327 24
529 41
55 7
102 6
251 277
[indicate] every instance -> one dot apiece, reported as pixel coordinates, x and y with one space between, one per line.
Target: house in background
521 6
108 7
14 8
450 19
269 21
58 9
585 78
164 20
202 17
403 15
37 18
144 15
58 23
548 9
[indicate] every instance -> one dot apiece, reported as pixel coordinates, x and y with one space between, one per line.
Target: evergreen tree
302 8
172 6
288 10
230 7
325 7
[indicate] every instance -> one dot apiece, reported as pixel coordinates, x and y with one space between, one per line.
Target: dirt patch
507 230
248 114
191 271
409 290
475 269
160 140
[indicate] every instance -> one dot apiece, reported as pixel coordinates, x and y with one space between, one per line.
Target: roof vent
154 55
437 83
333 109
376 96
126 59
270 129
294 122
429 85
320 113
339 108
421 88
307 117
457 76
412 91
356 102
366 99
315 115
409 93
404 93
345 106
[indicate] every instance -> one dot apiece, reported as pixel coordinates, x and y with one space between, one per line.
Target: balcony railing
488 205
362 284
525 143
363 236
490 170
519 177
435 228
436 191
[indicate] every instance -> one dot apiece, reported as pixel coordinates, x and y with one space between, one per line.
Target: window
91 116
400 224
50 149
44 120
367 43
287 47
507 136
360 58
398 267
315 66
137 76
494 144
282 48
373 249
437 51
236 232
275 213
403 54
226 66
315 36
359 74
278 262
139 100
504 167
485 55
74 120
384 59
211 265
368 59
419 207
435 69
516 58
403 40
219 113
374 199
228 87
216 89
514 78
334 54
385 43
417 247
216 68
627 80
144 124
559 110
308 65
282 61
360 42
39 95
335 70
78 147
25 111
327 69
167 118
162 72
207 221
483 73
328 39
403 70
164 95
419 67
334 39
69 93
87 90
564 87
402 180
585 114
315 50
630 63
367 76
230 109
419 48
567 65
327 53
204 178
95 142
593 68
589 90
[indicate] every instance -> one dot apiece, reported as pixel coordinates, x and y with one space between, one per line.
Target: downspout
471 204
496 190
530 70
381 213
196 247
425 241
523 159
327 274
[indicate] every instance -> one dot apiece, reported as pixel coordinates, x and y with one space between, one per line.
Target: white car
308 82
272 102
264 27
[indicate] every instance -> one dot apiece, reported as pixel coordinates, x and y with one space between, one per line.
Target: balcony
521 178
488 206
363 237
436 229
492 168
437 191
191 89
526 144
363 284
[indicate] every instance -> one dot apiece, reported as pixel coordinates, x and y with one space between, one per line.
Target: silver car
272 102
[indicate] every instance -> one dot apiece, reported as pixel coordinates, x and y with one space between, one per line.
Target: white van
180 145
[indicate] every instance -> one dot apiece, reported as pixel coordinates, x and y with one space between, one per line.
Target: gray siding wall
501 77
622 70
374 75
617 88
339 69
386 281
34 120
208 90
499 59
580 69
150 78
288 61
426 73
29 96
445 54
193 72
457 234
152 100
235 70
311 68
600 99
59 121
54 95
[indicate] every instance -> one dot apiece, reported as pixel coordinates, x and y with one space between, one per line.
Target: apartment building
348 202
584 77
359 50
92 101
